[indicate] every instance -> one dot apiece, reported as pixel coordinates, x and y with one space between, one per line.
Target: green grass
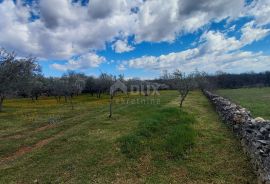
257 100
141 143
217 155
165 133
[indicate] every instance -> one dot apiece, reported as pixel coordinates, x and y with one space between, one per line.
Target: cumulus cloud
159 21
90 60
121 46
216 51
260 10
251 33
64 29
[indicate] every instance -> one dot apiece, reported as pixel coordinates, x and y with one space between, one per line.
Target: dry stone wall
254 133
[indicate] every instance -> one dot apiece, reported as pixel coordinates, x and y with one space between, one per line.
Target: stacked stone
253 133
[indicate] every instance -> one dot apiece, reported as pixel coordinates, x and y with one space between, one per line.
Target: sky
139 38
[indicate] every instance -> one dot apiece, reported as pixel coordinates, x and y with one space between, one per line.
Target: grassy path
217 156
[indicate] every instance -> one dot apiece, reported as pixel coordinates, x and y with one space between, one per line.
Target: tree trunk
181 102
111 101
71 102
183 98
1 103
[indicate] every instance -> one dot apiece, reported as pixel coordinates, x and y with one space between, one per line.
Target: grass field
257 100
145 142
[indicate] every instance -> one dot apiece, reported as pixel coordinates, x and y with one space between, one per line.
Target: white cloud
61 33
217 42
215 52
76 29
121 67
251 33
159 21
260 10
90 60
121 46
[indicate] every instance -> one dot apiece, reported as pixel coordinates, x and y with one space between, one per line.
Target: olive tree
57 88
37 86
73 84
15 73
184 84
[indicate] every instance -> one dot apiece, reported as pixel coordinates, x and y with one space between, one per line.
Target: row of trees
22 77
251 79
222 80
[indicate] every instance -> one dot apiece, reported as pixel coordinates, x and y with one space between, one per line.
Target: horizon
139 38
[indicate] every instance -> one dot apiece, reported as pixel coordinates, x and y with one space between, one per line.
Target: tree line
223 80
22 77
251 79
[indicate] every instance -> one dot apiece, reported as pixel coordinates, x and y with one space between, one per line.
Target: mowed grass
257 100
149 140
217 155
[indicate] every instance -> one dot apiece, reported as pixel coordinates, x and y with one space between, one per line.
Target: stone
267 126
263 130
259 120
264 142
253 121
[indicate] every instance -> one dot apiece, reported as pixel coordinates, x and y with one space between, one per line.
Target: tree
15 74
112 93
183 84
90 85
38 86
73 84
57 88
118 86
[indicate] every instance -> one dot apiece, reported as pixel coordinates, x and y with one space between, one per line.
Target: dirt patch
20 135
44 128
27 149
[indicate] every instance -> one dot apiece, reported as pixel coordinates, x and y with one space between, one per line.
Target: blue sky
139 38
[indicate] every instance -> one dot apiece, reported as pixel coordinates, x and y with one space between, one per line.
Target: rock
236 127
264 142
259 120
267 127
253 121
263 130
249 130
